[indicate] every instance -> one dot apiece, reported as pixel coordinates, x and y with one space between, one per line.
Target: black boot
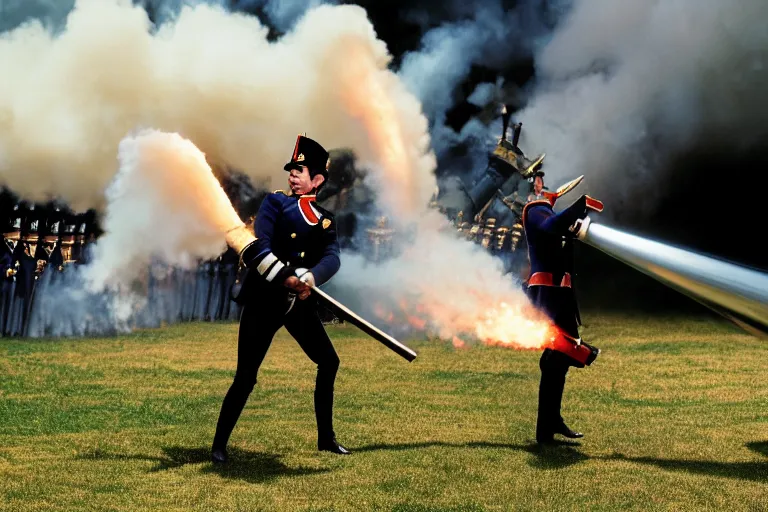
331 445
219 456
563 430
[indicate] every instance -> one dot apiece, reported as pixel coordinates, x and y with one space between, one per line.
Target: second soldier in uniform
296 247
550 238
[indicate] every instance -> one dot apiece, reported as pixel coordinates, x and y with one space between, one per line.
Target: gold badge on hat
300 158
326 223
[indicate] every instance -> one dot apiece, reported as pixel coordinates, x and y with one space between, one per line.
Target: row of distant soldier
44 235
41 242
36 236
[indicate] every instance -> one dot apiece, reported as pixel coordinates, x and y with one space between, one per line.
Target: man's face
301 183
538 185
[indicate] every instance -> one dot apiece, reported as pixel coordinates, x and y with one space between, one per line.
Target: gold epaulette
281 192
508 155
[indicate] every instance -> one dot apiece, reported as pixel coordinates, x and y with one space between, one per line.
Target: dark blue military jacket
545 231
6 259
550 250
293 232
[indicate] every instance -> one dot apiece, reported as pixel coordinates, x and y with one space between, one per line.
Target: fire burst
519 327
397 144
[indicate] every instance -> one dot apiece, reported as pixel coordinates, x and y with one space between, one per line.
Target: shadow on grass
760 447
554 456
752 471
563 454
253 467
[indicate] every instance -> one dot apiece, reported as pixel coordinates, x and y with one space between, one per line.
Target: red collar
536 202
308 211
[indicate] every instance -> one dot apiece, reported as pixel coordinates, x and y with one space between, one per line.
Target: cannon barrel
484 189
516 134
738 293
503 167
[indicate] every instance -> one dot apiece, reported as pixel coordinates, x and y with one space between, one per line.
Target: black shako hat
309 153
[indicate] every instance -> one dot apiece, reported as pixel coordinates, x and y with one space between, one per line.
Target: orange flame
418 323
458 342
373 95
519 327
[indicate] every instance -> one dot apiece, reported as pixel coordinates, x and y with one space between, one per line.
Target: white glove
305 276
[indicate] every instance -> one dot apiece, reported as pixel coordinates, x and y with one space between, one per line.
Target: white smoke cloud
161 176
625 86
213 78
67 100
141 272
442 286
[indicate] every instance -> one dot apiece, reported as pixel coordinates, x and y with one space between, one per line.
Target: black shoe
330 445
563 430
219 456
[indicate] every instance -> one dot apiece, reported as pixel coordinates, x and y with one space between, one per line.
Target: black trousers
559 304
554 366
258 324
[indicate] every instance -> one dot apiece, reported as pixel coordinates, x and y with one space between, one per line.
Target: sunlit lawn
675 413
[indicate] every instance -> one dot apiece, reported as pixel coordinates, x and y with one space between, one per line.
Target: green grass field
675 413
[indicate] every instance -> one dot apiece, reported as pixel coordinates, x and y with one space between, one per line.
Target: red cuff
594 204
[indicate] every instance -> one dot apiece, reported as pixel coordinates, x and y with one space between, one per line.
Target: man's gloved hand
585 204
308 278
300 287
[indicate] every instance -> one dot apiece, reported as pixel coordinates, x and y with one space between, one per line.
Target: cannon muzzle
738 293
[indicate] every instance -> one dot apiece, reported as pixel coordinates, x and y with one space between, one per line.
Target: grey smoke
483 33
282 14
625 87
492 36
483 94
166 11
63 305
51 13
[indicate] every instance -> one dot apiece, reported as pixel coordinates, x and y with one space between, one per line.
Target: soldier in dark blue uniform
550 238
295 247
